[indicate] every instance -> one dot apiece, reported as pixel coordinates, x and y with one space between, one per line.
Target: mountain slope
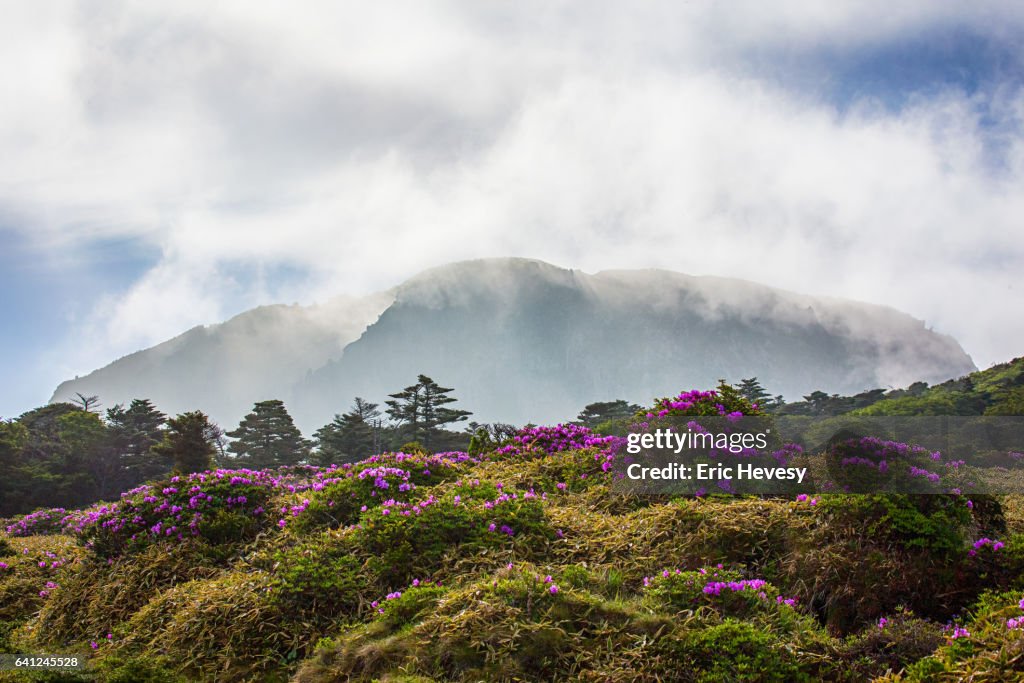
522 340
526 341
222 369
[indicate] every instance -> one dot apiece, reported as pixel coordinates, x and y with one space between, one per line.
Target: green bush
724 591
890 645
413 602
729 652
317 580
936 523
117 669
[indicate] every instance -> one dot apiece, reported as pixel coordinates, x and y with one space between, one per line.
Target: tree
595 414
88 468
420 409
13 478
216 436
41 473
86 402
267 437
349 437
186 443
133 431
488 436
752 390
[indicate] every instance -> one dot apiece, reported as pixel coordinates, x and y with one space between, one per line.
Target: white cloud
360 145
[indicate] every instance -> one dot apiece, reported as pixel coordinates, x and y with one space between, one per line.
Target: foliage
734 651
267 437
519 561
349 437
607 417
421 409
186 443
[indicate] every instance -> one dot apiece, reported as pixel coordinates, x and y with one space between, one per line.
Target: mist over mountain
223 369
522 340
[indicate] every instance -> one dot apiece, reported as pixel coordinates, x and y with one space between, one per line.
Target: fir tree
186 444
349 437
267 437
133 431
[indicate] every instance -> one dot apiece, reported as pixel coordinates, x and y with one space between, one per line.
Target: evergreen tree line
70 455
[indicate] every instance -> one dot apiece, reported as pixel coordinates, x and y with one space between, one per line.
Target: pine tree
349 437
133 433
267 437
595 414
420 409
186 443
752 390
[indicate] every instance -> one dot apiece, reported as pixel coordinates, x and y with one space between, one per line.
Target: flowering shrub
550 440
399 608
870 464
404 540
44 523
893 643
340 499
221 506
725 591
724 401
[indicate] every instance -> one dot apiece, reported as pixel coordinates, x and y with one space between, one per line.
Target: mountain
522 340
223 369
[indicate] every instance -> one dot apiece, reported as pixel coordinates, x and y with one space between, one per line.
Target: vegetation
519 561
998 390
420 410
267 437
351 436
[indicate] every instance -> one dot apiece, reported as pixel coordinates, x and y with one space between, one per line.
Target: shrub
225 506
317 580
724 591
40 523
891 644
936 523
731 651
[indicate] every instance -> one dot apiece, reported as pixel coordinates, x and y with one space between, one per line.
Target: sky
167 165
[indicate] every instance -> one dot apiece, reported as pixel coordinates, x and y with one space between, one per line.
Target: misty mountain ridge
525 341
